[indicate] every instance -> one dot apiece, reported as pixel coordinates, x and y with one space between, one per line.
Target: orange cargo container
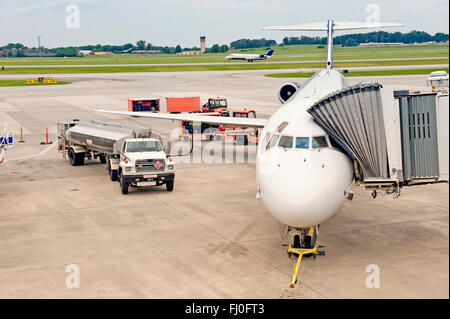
183 104
143 105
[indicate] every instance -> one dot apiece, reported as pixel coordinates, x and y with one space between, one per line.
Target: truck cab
143 162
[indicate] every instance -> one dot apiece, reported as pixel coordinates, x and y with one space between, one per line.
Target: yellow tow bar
303 251
300 252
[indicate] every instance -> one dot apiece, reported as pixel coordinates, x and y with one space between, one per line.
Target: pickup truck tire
123 187
169 185
76 159
113 175
241 140
102 159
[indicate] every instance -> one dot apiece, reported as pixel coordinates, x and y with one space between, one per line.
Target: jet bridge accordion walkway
353 118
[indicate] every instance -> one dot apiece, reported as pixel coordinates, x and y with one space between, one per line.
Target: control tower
202 44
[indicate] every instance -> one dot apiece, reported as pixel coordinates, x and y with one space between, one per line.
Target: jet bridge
392 137
353 117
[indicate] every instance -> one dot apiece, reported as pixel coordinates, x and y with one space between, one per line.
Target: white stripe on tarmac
43 152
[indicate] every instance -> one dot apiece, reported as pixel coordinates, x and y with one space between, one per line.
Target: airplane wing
220 120
338 25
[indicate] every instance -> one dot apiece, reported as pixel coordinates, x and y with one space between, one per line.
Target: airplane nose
297 200
303 192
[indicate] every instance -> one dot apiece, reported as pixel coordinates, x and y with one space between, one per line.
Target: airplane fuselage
247 57
302 184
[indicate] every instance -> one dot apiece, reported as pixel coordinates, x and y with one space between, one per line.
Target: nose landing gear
304 245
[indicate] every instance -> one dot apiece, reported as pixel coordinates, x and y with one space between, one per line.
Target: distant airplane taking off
250 57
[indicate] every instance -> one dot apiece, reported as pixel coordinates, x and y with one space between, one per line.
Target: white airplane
250 57
301 178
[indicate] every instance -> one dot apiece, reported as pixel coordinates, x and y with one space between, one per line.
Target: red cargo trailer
183 104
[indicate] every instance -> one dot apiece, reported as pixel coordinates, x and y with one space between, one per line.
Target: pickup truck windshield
143 146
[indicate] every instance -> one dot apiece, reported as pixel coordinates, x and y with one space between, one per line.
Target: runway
210 237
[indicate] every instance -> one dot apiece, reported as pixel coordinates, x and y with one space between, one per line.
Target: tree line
248 44
20 50
376 37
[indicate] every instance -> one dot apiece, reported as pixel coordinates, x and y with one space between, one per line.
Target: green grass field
282 53
205 67
360 73
24 83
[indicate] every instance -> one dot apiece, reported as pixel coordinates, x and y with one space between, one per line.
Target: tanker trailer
133 156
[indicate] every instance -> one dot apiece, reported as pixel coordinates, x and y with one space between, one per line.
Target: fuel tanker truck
133 156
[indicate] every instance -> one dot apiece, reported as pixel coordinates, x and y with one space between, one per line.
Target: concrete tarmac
210 237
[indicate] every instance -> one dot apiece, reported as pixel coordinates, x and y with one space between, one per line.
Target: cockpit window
319 141
302 142
273 141
286 141
282 126
266 139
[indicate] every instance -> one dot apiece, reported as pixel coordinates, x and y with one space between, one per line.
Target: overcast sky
172 22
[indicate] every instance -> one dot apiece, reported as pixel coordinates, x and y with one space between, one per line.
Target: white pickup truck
134 156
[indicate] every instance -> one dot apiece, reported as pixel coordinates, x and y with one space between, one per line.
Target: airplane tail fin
270 52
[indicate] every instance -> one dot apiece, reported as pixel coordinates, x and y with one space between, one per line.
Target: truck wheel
241 140
169 185
79 157
102 159
113 175
71 157
123 187
76 159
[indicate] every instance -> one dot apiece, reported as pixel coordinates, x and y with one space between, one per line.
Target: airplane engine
287 90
